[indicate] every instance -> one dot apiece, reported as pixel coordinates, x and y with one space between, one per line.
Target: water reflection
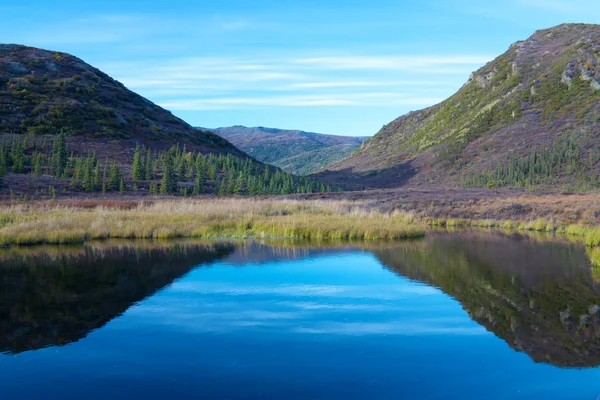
540 297
57 295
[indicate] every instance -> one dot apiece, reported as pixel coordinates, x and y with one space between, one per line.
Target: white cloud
414 63
222 83
351 99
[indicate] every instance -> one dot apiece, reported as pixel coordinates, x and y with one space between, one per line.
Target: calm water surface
454 316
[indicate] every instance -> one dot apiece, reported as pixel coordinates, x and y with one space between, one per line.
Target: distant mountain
45 92
530 118
293 151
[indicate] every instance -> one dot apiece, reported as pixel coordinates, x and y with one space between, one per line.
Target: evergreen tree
199 182
114 177
238 189
59 154
149 168
38 164
137 166
212 171
89 171
169 182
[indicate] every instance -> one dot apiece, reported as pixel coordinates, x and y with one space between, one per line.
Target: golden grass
205 219
328 220
589 233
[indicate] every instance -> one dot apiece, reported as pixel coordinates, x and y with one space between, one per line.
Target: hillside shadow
347 179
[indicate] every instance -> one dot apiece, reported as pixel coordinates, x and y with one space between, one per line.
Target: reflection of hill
55 297
539 297
255 252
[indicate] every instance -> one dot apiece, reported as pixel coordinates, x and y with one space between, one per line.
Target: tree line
172 171
541 166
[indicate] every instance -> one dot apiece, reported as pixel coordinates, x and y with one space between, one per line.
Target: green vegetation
544 167
206 219
180 171
45 92
589 234
520 103
296 152
312 161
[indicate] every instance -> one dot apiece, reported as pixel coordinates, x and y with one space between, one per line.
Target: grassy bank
205 219
590 234
78 221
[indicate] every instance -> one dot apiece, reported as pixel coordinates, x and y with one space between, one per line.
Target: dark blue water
458 316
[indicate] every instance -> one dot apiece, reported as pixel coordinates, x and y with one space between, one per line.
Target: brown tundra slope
43 92
539 103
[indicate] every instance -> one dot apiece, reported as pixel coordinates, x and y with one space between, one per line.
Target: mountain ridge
294 151
519 103
45 92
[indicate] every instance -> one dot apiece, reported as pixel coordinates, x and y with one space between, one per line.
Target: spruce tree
169 182
137 166
114 177
59 154
199 182
238 188
149 168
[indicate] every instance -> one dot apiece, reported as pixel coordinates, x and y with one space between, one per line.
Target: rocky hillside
529 118
45 92
293 151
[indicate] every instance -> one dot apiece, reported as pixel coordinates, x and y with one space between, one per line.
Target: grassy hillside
46 92
293 151
530 118
67 128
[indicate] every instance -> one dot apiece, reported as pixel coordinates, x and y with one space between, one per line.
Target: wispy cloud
213 83
351 99
563 7
413 63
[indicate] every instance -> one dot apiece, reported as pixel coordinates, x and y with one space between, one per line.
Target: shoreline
75 222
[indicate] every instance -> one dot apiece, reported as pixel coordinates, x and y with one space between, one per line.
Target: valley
448 231
516 145
296 152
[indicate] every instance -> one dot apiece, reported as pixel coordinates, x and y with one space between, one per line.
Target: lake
454 316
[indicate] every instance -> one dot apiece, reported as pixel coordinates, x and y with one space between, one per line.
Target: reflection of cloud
297 318
412 328
400 308
379 292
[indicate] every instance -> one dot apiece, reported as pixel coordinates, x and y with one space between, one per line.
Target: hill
67 128
293 151
45 92
530 118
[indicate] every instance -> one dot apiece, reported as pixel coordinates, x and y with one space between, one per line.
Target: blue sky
330 66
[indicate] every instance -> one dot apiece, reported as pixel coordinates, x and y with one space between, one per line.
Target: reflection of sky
352 295
326 327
